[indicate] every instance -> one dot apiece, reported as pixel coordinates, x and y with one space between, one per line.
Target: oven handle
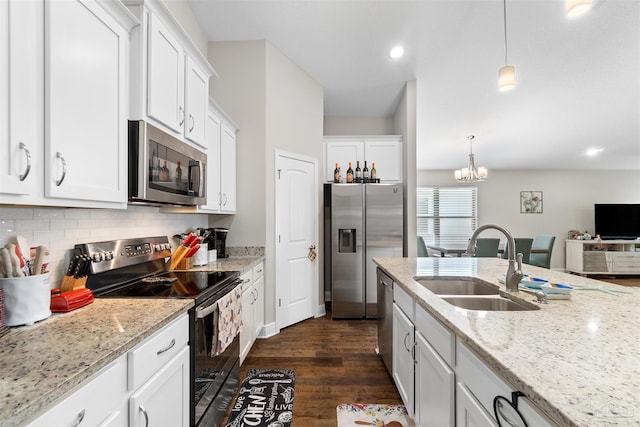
206 309
202 312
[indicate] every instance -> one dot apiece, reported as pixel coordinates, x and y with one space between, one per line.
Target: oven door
163 169
216 378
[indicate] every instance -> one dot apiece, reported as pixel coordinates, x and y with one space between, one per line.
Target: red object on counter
69 301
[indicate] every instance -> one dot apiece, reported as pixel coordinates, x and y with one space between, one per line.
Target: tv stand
613 257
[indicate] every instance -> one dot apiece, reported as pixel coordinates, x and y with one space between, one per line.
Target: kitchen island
577 360
42 363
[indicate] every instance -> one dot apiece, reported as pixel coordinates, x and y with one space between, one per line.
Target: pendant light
506 74
470 173
577 7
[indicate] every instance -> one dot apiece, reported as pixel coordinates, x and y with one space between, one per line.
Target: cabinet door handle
23 146
181 110
146 416
79 418
405 343
193 122
167 348
64 168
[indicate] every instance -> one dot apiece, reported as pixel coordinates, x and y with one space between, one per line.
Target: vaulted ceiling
577 80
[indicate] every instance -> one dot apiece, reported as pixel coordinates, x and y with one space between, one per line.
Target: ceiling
578 80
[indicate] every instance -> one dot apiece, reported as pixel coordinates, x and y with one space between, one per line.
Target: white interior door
297 234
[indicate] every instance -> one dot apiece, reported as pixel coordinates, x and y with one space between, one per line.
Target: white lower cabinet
164 399
403 372
252 308
442 382
148 386
435 382
100 401
469 412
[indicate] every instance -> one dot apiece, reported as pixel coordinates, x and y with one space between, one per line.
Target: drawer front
148 357
100 399
481 381
258 271
440 338
405 302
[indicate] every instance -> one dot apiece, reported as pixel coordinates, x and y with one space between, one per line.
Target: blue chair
487 247
542 243
523 246
422 248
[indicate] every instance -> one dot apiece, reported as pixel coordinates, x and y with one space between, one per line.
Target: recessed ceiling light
594 151
396 52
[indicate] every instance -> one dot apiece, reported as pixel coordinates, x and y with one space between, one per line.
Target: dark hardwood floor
334 362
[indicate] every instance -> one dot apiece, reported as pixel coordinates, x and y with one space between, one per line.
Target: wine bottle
336 174
358 173
163 175
178 173
373 172
365 173
350 174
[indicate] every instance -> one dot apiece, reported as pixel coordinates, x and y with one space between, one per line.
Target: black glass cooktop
191 284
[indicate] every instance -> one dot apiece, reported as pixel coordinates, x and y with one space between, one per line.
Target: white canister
213 255
202 256
26 299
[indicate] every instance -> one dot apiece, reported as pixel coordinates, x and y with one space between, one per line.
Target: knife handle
177 256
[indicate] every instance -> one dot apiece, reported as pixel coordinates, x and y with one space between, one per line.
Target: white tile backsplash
59 229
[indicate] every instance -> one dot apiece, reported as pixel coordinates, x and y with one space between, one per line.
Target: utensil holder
26 299
201 257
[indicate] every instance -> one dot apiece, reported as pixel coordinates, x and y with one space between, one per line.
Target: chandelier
471 173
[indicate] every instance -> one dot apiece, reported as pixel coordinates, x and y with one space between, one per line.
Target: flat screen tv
617 221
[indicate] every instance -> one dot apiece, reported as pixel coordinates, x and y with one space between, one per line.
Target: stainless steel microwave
164 170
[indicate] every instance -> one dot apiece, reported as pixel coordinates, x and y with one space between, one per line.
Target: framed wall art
531 202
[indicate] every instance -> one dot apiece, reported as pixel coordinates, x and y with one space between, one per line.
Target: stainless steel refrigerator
362 221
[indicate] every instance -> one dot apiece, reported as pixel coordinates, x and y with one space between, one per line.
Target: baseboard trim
321 311
268 330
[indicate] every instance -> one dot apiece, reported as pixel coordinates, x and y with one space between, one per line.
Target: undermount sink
465 286
489 304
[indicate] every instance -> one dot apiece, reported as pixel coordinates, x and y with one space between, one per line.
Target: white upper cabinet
86 98
65 113
383 150
21 96
165 76
170 76
227 169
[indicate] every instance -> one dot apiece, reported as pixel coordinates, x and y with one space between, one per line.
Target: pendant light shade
471 173
506 74
577 7
506 78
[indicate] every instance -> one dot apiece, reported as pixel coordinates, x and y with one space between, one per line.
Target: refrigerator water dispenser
347 240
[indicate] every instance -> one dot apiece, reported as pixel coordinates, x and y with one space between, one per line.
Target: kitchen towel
229 319
374 415
265 399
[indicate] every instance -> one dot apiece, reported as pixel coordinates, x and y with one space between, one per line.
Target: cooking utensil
39 264
5 259
25 251
192 251
17 263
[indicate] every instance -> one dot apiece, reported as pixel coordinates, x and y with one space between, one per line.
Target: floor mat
357 414
265 399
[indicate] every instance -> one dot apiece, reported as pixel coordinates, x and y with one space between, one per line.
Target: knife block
70 283
185 264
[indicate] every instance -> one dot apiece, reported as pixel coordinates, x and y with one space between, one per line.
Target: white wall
334 125
276 106
59 229
181 10
568 197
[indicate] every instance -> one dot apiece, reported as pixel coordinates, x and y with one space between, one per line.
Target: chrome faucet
514 271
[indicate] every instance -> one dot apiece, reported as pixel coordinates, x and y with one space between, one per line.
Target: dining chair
523 246
487 247
544 243
422 248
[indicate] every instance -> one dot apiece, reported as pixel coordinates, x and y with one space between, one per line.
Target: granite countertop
578 360
43 362
233 263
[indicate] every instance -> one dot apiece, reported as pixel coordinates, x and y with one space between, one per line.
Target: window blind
447 216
